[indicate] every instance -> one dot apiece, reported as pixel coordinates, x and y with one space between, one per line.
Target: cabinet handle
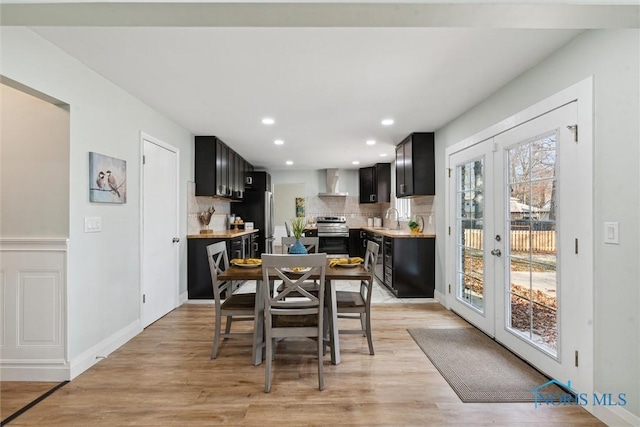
372 198
249 180
401 188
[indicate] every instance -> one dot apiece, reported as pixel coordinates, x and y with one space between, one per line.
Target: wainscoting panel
33 274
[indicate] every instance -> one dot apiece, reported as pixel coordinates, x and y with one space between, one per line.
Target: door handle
176 239
496 252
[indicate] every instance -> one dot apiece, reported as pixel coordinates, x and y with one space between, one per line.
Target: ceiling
327 87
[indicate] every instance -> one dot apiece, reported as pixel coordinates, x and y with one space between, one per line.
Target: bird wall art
107 179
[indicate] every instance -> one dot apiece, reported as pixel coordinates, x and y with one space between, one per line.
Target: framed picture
300 207
107 179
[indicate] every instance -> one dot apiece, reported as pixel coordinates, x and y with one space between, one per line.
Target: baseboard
182 298
614 415
101 350
200 301
440 297
41 371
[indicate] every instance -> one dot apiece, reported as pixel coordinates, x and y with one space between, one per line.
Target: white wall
612 57
104 272
315 181
34 166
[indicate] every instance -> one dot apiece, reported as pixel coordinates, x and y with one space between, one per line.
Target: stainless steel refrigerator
257 207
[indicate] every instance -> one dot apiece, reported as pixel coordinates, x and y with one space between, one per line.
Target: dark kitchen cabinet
375 183
415 166
258 181
409 266
219 171
222 169
357 242
198 274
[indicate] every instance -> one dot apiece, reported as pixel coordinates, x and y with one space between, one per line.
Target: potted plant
298 225
415 226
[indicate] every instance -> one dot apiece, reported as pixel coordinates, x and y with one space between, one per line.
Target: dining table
332 273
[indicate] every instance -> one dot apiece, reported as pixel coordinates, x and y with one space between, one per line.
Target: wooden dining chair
302 316
239 307
357 305
311 244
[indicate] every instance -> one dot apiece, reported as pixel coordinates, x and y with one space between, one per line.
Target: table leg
258 325
330 292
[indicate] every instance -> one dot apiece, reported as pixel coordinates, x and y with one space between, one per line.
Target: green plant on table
298 225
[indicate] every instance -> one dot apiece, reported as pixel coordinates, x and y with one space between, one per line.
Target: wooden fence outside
521 240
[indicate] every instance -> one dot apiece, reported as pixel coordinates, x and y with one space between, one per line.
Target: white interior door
160 230
519 203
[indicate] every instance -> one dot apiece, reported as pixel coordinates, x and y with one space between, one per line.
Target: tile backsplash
197 204
349 207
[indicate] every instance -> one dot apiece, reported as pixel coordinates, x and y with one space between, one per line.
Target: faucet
397 217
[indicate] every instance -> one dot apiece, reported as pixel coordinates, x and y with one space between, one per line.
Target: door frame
144 136
582 92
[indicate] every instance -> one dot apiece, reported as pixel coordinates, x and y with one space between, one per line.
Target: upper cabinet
415 166
375 183
219 171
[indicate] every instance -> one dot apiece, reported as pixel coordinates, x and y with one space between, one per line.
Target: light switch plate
92 224
611 234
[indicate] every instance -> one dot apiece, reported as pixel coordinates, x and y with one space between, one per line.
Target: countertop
401 233
222 234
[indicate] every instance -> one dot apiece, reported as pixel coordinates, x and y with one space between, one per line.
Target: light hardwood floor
164 376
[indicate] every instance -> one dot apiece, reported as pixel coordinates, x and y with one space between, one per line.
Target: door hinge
449 231
576 358
144 298
449 172
449 287
576 246
144 160
574 130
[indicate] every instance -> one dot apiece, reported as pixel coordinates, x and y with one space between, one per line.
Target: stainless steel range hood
332 185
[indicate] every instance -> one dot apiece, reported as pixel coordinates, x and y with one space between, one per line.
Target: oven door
334 245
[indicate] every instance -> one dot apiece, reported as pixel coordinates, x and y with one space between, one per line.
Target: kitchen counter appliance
333 234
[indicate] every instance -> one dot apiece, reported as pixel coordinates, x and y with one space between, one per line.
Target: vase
298 248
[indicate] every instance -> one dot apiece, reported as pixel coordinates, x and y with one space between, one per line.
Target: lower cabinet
357 242
198 275
409 266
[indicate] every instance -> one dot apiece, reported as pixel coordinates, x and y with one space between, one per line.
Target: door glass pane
532 252
469 233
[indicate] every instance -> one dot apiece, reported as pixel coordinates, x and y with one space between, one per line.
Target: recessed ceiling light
268 121
278 142
289 162
371 142
387 122
383 155
355 162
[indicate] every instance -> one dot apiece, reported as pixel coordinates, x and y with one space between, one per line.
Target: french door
516 213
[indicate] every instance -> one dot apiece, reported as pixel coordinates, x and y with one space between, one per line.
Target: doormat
479 369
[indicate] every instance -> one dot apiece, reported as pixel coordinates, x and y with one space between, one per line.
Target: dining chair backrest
299 316
287 268
288 228
218 262
311 243
371 255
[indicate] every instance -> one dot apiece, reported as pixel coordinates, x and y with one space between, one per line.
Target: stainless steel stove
333 234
